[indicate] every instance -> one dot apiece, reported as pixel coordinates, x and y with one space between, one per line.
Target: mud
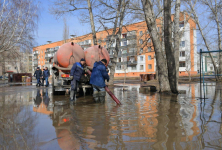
32 118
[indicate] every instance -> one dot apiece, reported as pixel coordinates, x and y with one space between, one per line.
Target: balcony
121 63
132 44
132 53
132 63
131 37
49 55
35 62
123 46
124 53
47 52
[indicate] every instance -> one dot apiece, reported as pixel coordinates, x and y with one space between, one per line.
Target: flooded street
32 118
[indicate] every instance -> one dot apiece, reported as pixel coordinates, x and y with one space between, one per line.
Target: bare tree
116 17
62 7
65 31
215 6
17 24
191 8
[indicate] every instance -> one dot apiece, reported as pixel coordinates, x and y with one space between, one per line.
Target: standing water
31 118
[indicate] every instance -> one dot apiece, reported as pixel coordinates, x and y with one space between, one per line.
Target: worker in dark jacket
98 76
75 75
46 75
43 78
38 75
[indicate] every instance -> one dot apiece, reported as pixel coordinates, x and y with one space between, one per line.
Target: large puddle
32 118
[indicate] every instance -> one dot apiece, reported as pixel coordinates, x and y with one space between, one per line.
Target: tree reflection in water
17 122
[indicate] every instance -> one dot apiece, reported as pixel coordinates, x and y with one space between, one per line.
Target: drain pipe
108 91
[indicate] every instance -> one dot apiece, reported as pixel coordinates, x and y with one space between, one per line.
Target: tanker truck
65 57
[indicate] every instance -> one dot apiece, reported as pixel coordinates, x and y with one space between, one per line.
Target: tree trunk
177 37
112 72
119 16
160 60
219 41
92 23
171 65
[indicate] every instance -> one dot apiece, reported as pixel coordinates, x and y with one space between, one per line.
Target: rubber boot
102 96
96 96
72 95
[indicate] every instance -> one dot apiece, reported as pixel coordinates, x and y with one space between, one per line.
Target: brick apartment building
136 55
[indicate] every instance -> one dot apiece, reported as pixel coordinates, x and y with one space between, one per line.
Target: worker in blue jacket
98 77
75 75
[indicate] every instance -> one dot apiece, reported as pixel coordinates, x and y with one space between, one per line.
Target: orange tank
95 53
68 54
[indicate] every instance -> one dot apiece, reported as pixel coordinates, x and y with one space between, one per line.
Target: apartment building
15 61
136 55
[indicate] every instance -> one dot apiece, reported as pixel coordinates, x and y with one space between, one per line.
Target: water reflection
41 101
17 122
144 121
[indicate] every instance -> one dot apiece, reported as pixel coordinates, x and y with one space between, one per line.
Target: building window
149 57
141 50
132 59
211 68
141 67
149 49
124 52
158 29
141 58
124 43
123 35
9 68
118 67
141 41
182 54
133 68
182 64
15 67
149 66
181 25
147 31
113 44
141 33
119 59
182 44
